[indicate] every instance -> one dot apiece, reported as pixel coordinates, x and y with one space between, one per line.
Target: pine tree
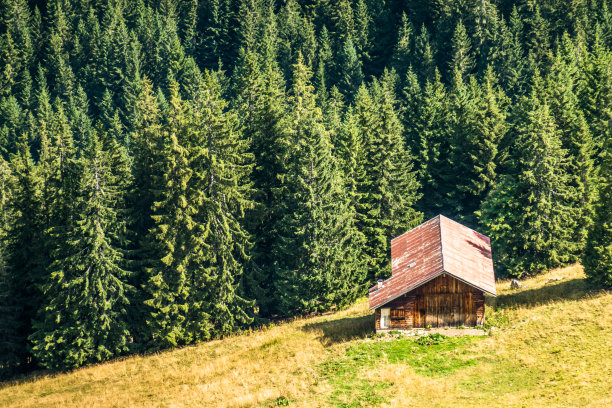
462 62
389 189
42 111
538 43
10 342
411 100
575 136
350 154
318 250
214 34
479 125
146 157
363 29
220 189
434 150
57 59
269 151
509 57
597 256
60 172
80 121
486 33
12 124
82 318
596 93
528 214
188 13
343 19
166 244
350 75
424 56
147 172
402 54
25 257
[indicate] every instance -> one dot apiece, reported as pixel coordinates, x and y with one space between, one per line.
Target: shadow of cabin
339 331
571 289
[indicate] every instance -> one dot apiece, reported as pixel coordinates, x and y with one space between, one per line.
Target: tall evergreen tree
575 136
478 126
402 54
261 105
433 149
11 344
350 75
596 93
220 189
462 61
528 214
598 253
82 318
509 57
389 189
424 55
318 251
166 243
25 258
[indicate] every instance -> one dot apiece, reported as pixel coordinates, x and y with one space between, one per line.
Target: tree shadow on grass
341 330
570 289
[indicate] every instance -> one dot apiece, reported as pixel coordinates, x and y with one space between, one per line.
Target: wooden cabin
440 273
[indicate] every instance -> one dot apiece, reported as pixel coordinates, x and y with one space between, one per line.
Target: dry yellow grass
554 350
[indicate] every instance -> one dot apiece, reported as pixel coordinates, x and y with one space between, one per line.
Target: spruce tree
350 75
462 62
82 316
509 57
10 342
529 214
318 250
597 256
434 149
350 154
402 54
25 257
538 40
220 190
389 189
166 249
363 31
261 108
575 137
478 126
411 101
596 93
424 55
147 172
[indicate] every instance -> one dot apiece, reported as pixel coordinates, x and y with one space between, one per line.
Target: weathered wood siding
405 304
442 302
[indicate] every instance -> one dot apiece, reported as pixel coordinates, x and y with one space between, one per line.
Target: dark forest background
176 171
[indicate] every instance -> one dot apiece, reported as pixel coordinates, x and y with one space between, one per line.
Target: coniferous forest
175 171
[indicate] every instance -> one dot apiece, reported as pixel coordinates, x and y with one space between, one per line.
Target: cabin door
385 318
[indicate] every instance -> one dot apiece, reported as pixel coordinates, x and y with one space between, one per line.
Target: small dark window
397 314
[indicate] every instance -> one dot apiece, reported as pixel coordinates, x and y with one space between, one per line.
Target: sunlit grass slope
552 347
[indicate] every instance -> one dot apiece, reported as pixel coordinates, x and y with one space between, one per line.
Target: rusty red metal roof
437 246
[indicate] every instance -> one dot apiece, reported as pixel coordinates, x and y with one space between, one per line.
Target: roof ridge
463 225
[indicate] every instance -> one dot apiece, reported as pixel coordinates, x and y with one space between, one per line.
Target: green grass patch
429 355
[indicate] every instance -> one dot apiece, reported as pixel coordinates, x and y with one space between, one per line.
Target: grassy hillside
552 347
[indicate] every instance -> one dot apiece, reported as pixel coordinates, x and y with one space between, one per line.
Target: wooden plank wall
442 302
